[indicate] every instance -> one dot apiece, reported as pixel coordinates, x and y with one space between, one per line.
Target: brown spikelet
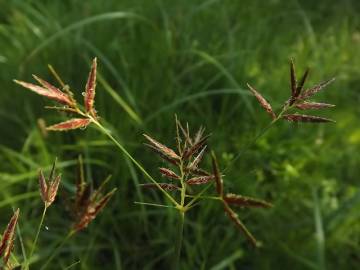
74 123
8 237
59 97
199 135
186 133
90 89
162 148
313 90
301 83
91 210
161 154
197 171
168 173
200 180
235 219
293 82
7 255
313 105
43 186
244 201
306 118
194 148
53 189
198 158
48 191
66 99
266 105
217 175
164 186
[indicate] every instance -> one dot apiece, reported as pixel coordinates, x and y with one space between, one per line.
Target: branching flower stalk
48 191
184 171
85 208
85 115
298 100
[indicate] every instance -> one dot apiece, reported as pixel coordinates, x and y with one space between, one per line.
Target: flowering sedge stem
122 148
36 238
205 197
278 117
155 204
179 239
196 197
57 249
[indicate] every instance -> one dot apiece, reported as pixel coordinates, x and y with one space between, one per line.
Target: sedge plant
184 171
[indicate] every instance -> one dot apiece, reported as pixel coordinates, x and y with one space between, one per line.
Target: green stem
179 240
258 136
36 238
217 198
127 154
57 249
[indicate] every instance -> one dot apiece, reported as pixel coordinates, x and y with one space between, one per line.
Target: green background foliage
192 58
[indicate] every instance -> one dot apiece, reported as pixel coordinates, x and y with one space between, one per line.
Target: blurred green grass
192 58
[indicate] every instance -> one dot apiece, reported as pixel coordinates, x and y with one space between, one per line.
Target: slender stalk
258 136
57 249
155 204
179 239
127 154
27 261
38 232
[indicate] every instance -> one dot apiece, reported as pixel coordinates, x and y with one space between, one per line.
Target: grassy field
190 58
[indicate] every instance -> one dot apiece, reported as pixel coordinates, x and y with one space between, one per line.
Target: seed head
8 237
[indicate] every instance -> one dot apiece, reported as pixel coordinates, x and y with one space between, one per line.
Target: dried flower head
49 188
88 203
236 200
298 100
8 237
65 97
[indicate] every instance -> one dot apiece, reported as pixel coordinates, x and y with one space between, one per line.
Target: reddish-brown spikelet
199 135
52 190
164 186
193 149
313 90
48 191
7 241
306 118
217 175
161 154
200 180
313 105
92 210
74 123
293 82
90 89
168 173
234 218
266 105
197 171
162 148
43 186
62 98
7 254
198 158
66 99
244 201
300 85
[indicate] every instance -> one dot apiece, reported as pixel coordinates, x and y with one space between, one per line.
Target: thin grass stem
122 148
57 249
